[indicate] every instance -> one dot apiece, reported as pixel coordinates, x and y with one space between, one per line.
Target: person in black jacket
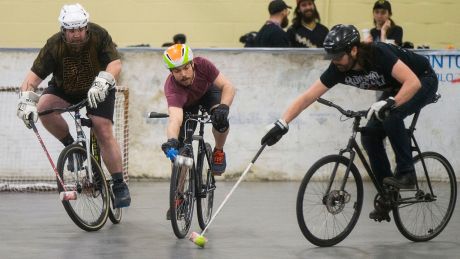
272 35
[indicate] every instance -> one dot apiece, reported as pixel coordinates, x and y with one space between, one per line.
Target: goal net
23 163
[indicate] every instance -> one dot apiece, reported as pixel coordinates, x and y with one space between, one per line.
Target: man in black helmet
408 83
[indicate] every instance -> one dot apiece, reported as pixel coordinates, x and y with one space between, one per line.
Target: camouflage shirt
74 70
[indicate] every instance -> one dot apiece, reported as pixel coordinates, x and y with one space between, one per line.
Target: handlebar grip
323 101
157 115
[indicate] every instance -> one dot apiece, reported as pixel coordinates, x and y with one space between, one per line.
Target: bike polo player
84 62
408 82
194 82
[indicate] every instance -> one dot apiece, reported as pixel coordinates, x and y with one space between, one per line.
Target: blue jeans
394 128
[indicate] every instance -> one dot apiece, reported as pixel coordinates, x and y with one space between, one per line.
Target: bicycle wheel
205 199
90 210
115 214
326 218
181 199
424 213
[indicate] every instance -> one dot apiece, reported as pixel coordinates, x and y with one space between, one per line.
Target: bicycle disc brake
336 200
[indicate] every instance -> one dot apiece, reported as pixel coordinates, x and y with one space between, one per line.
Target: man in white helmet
84 63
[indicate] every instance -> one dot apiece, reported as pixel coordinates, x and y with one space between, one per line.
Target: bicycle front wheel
115 214
90 210
205 199
181 199
326 213
422 214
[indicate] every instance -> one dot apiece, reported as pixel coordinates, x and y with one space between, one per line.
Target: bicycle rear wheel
205 199
326 218
181 199
423 214
90 210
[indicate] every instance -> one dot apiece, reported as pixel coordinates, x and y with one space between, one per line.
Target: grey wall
266 81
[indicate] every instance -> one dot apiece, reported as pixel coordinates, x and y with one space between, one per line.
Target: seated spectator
385 29
177 39
272 35
306 30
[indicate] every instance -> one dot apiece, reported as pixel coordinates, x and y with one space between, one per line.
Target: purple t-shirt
180 96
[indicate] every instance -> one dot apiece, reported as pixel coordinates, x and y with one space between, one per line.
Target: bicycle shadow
421 250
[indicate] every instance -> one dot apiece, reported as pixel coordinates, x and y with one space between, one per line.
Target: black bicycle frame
189 138
353 149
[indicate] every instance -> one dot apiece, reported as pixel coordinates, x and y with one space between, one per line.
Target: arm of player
410 82
228 90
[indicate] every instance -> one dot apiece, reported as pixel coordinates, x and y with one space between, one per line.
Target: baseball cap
382 4
277 6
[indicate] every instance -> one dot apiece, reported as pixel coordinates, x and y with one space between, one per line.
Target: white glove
381 109
27 107
103 82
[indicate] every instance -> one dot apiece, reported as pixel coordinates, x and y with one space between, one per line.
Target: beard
284 22
308 16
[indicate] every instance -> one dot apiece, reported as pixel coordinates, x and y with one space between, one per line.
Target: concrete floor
259 221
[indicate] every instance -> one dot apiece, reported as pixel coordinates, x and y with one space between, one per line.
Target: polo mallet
199 239
65 195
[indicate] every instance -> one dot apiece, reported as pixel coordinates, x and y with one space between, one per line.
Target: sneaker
401 181
121 193
379 215
219 163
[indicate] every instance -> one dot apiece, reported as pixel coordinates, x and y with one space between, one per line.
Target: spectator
306 30
177 39
385 29
272 35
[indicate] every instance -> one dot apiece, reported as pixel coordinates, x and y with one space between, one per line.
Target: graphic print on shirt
78 73
370 81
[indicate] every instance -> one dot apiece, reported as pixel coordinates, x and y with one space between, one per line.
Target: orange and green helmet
177 55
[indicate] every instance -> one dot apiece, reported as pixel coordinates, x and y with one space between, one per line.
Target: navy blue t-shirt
378 76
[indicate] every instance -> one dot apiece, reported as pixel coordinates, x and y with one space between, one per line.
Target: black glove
172 143
219 117
381 109
280 127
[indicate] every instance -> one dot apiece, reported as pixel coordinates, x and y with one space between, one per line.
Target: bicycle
330 197
191 177
93 203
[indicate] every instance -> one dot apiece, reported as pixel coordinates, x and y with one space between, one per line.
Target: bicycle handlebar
74 107
155 115
348 113
188 116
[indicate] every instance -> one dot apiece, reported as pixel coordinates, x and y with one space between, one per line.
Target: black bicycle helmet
340 39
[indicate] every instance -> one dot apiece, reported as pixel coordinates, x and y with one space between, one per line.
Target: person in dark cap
272 35
385 29
306 30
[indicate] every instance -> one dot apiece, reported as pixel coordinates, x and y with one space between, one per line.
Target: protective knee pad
220 126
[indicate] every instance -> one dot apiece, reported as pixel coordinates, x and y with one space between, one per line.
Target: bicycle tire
205 198
90 210
316 210
418 222
115 214
181 202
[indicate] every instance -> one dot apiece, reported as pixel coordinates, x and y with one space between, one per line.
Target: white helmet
73 16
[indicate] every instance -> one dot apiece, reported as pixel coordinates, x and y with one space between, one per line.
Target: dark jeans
394 128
